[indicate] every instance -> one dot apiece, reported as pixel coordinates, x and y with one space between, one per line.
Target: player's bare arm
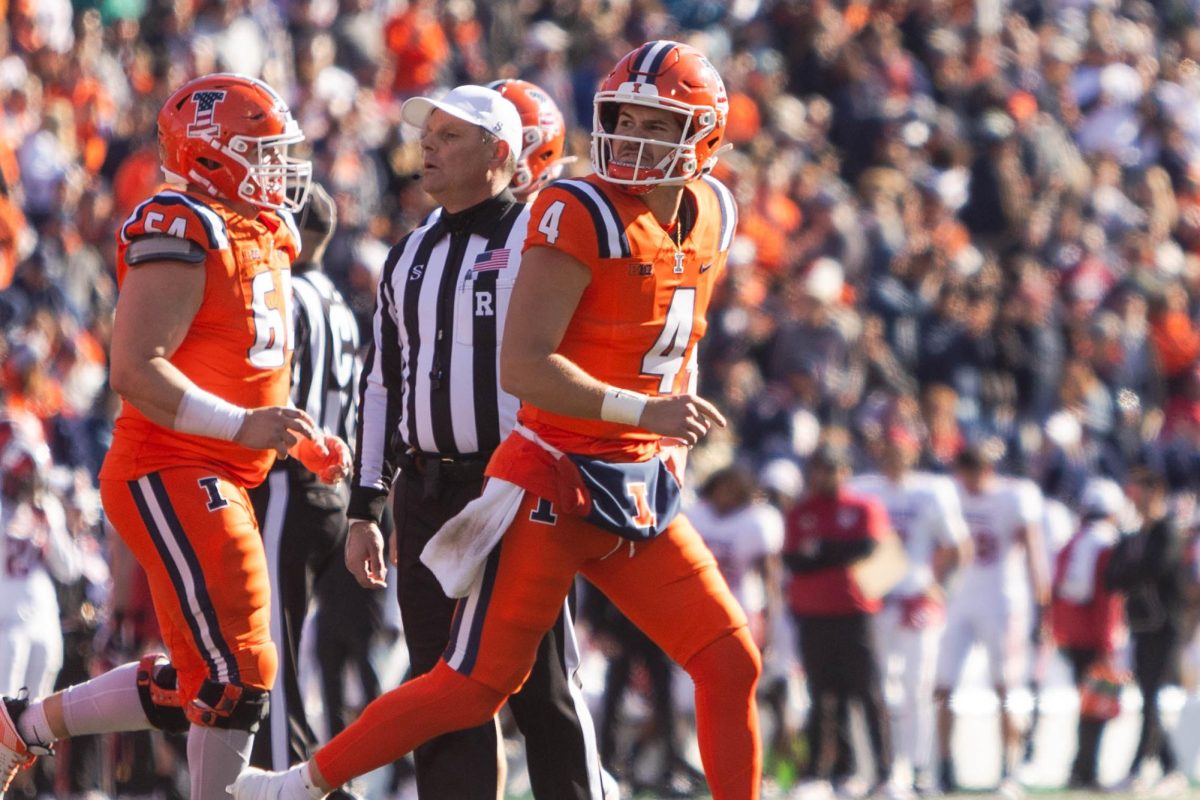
949 557
545 297
1035 559
155 309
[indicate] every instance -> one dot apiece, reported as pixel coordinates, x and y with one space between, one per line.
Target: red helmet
670 76
543 133
229 134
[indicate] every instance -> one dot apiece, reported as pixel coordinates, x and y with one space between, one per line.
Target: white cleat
14 753
892 791
813 790
1132 784
1010 789
1172 785
257 784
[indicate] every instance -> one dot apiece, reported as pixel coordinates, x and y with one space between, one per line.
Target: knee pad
223 705
158 691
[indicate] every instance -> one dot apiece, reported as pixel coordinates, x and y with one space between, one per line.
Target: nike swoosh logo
705 267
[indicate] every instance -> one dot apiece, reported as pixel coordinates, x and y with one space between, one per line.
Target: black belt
450 469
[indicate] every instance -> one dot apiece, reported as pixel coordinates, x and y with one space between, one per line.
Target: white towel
457 552
1079 573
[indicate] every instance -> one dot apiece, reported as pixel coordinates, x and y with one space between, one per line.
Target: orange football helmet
670 76
229 134
544 136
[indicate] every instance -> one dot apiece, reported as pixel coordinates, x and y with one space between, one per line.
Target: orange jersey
239 344
638 321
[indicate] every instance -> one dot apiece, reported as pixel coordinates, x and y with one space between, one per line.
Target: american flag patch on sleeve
491 260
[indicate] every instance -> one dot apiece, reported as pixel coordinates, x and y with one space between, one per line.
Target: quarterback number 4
550 220
272 320
665 357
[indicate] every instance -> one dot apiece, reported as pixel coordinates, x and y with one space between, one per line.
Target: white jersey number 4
665 357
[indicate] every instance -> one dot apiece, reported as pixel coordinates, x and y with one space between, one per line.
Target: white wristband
204 413
622 405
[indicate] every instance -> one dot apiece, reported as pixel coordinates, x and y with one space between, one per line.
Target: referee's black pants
560 744
303 525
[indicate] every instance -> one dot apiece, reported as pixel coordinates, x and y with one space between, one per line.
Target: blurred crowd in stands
982 216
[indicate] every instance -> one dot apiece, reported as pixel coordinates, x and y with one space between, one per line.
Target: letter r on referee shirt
483 305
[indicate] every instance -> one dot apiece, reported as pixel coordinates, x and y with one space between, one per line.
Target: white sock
33 726
216 756
105 704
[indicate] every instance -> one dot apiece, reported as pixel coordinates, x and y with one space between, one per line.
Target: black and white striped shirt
432 378
325 366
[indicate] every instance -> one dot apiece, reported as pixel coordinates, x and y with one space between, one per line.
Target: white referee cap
477 105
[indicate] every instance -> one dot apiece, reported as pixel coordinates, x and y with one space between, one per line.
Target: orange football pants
195 535
669 587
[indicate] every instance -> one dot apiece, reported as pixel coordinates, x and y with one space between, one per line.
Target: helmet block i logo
204 124
230 136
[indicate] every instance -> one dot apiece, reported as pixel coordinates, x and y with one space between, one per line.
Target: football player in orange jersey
200 355
599 345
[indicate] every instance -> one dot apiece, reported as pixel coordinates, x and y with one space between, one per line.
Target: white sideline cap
1102 496
477 105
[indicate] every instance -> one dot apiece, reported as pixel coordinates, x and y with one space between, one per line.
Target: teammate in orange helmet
543 138
201 356
599 345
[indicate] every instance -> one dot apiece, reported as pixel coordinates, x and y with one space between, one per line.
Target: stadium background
990 209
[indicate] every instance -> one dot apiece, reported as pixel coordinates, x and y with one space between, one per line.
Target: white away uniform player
992 604
34 545
745 535
925 513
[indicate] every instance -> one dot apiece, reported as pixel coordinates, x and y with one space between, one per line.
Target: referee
303 521
432 412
